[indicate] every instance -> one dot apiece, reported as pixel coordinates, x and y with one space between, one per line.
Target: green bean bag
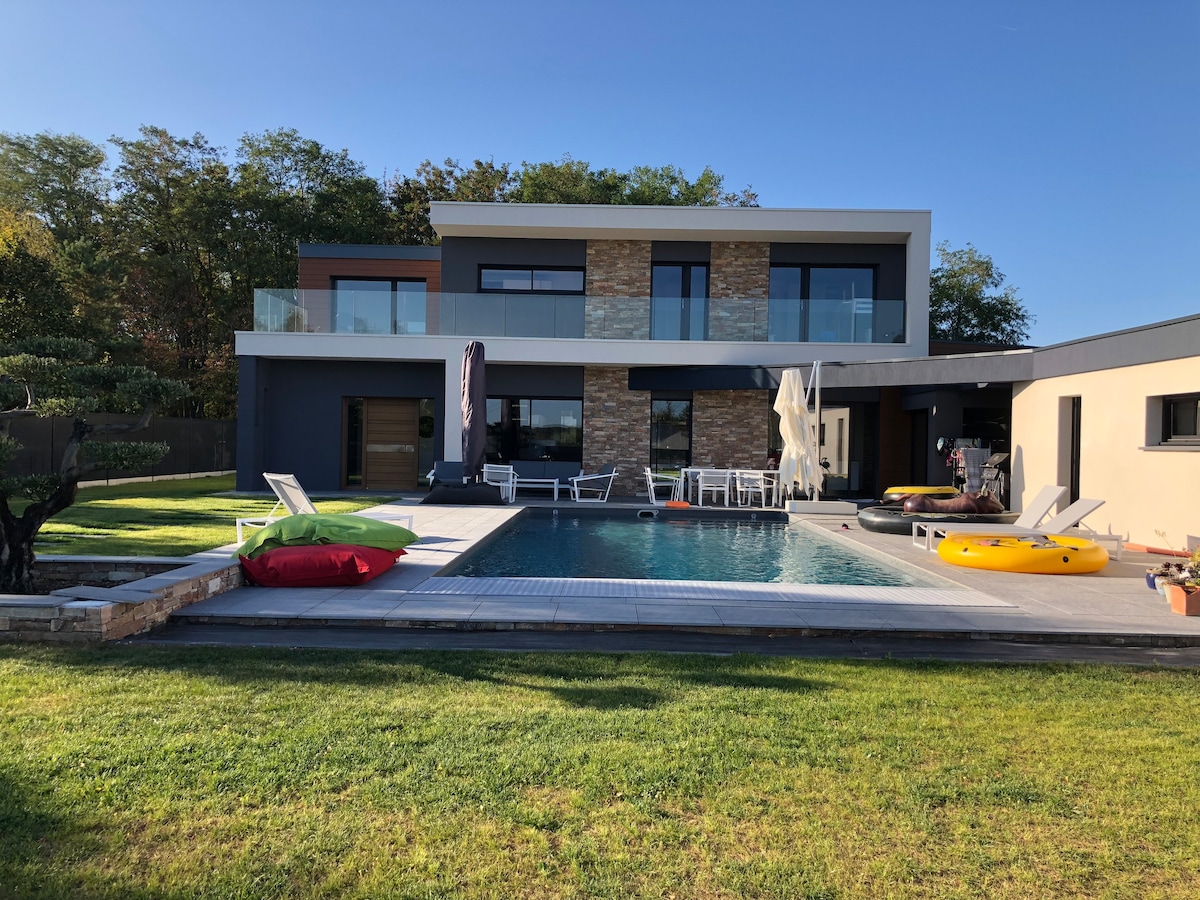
326 528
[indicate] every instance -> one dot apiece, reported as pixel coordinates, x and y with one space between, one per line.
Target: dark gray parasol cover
474 411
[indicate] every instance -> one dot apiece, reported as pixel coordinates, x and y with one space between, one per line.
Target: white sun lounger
1067 522
924 533
293 498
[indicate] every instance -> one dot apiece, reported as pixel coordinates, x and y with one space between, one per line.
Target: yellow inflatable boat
1054 554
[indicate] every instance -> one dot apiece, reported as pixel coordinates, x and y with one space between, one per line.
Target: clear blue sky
1062 138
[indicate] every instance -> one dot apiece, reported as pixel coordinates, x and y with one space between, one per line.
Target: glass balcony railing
856 321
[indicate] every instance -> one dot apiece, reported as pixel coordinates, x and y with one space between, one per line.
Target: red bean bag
319 565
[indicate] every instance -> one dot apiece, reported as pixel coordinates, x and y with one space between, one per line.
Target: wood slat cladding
318 272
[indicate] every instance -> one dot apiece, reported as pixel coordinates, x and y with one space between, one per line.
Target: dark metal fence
197 445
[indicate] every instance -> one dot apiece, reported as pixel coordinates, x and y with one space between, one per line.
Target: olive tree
66 377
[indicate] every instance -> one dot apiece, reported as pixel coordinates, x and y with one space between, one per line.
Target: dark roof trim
368 251
703 378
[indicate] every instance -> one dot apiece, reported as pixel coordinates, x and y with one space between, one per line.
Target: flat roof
676 223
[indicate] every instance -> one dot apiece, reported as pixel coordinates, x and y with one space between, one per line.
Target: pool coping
1113 607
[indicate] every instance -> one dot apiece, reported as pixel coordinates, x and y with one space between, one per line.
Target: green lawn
198 772
161 518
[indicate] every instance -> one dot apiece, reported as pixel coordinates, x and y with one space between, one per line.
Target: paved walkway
1112 607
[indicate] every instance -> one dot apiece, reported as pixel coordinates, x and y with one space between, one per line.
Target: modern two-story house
638 336
655 336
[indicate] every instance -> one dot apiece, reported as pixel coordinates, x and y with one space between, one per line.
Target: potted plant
1183 590
1158 576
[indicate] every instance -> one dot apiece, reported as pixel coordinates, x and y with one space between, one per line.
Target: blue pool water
538 544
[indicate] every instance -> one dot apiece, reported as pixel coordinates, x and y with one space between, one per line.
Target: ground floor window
534 428
1181 419
670 434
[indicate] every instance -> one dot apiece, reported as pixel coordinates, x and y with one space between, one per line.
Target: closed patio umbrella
474 411
800 459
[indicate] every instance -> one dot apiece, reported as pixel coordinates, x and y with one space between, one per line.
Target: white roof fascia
676 223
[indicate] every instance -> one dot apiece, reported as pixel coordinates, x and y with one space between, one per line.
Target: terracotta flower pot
1184 599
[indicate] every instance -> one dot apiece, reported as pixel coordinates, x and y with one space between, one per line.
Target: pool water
539 544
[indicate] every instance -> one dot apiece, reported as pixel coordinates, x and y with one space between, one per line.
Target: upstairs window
378 306
679 302
530 281
832 304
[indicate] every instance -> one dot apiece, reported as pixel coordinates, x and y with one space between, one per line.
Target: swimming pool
554 544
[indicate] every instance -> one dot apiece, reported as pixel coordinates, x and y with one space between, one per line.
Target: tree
171 227
410 196
64 376
32 298
291 190
563 181
58 177
62 181
960 307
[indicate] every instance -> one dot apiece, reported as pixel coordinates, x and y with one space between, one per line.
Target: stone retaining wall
83 613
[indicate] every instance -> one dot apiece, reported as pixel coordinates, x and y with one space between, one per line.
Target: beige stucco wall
1145 490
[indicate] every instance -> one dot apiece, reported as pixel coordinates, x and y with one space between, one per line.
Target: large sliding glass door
679 302
826 304
378 306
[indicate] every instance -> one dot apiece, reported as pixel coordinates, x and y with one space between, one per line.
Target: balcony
852 321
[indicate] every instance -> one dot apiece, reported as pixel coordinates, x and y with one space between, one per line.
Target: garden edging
85 613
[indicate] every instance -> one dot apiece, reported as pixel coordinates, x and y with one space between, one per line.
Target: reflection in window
538 281
383 306
679 302
670 434
534 428
831 304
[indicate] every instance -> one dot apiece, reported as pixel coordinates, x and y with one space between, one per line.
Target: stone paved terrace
1113 606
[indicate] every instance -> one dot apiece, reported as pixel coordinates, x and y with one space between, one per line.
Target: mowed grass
161 518
134 771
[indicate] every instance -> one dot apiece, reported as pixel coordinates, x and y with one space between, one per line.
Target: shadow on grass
584 680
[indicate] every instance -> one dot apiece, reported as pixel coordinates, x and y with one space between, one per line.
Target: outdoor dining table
689 475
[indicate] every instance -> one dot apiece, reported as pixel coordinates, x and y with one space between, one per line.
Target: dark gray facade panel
702 378
368 251
558 382
251 434
890 258
300 408
680 251
463 257
1160 342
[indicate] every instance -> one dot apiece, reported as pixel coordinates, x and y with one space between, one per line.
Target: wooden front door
390 433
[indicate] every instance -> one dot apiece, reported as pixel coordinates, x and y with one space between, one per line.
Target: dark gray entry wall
290 413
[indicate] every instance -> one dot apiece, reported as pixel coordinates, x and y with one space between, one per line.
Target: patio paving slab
1111 605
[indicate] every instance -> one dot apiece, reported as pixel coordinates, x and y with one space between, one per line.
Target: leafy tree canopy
964 304
563 181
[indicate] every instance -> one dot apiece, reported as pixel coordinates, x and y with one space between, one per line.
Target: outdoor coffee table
551 483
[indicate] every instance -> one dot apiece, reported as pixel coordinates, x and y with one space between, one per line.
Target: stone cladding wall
616 428
729 429
619 270
739 281
85 614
